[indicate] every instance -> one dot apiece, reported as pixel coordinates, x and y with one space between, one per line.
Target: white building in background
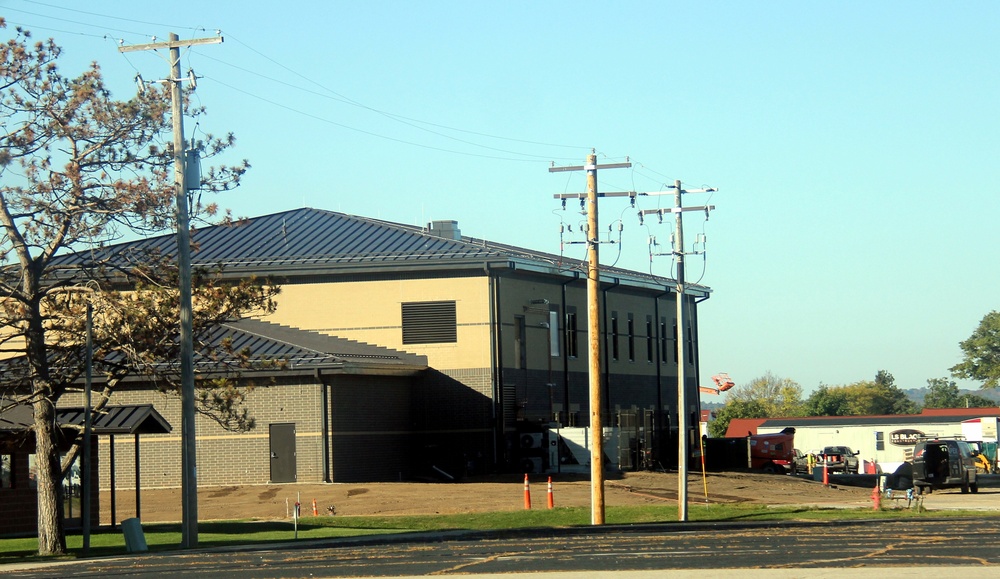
886 440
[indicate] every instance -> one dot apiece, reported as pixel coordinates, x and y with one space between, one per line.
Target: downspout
326 417
496 362
607 350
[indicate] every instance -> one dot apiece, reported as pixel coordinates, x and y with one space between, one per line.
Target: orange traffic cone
315 510
527 493
551 501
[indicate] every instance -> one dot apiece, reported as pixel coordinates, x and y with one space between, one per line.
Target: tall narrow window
572 344
6 471
429 322
664 342
650 348
520 351
631 338
614 335
554 334
673 336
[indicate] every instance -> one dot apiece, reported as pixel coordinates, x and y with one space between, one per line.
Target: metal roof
301 241
119 419
307 350
127 419
273 350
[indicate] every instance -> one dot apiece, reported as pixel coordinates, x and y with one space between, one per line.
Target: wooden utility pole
682 421
593 333
189 478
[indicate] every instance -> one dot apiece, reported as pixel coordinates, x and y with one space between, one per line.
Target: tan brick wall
223 458
371 311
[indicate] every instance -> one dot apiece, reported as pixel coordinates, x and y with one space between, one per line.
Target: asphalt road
800 548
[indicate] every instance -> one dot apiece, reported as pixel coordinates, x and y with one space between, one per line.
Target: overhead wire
89 13
395 116
507 154
363 131
638 169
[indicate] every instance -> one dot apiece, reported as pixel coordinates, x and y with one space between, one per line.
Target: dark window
631 339
650 348
429 323
520 351
614 335
664 341
572 344
879 440
690 345
673 336
6 471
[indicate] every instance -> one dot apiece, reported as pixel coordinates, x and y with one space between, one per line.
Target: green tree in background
763 397
981 351
779 396
828 401
867 397
944 393
735 408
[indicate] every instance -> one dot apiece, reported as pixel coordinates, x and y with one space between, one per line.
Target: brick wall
223 458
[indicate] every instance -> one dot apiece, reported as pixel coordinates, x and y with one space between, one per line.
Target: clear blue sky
855 144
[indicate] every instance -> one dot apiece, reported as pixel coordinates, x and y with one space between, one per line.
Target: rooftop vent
445 229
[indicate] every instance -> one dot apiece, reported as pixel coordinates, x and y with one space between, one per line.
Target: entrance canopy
16 422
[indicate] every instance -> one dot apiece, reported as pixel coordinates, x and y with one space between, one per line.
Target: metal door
282 438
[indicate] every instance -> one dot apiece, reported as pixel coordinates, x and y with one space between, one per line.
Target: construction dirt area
481 494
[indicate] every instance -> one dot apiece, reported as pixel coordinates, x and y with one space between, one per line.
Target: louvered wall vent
429 323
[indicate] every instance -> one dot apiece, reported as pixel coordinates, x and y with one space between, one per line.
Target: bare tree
79 169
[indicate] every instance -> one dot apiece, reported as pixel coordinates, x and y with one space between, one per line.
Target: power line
418 124
57 7
369 133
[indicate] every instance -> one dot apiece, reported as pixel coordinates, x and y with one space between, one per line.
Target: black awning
123 419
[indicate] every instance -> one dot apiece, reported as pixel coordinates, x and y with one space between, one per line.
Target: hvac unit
531 464
531 440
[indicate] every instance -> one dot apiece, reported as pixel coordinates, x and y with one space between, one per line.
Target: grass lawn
165 537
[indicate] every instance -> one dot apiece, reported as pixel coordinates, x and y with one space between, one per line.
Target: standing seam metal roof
309 238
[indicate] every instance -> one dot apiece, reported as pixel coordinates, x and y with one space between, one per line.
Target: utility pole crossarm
584 195
677 209
170 44
593 167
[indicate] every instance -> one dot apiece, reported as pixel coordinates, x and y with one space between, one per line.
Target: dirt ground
476 495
